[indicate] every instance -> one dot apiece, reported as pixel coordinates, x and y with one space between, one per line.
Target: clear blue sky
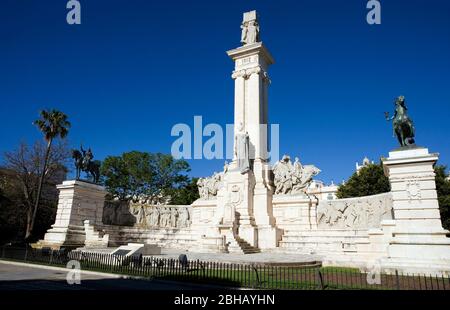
133 69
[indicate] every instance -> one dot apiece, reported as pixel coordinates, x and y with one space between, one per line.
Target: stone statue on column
242 151
250 28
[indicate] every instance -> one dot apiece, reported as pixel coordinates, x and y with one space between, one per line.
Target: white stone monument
251 192
417 241
245 187
80 205
251 207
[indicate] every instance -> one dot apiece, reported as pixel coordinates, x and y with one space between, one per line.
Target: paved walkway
21 276
275 259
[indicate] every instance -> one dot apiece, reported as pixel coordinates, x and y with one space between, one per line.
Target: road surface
18 276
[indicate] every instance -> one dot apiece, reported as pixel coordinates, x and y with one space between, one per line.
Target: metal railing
229 274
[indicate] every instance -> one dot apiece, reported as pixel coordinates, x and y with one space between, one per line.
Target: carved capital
254 70
246 73
239 73
266 77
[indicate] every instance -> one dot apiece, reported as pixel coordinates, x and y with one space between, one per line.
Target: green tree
369 181
443 191
52 124
185 195
134 175
19 177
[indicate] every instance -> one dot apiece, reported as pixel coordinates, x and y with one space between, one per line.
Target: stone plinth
295 212
205 217
78 202
417 240
235 199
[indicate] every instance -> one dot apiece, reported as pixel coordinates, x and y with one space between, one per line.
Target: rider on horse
403 125
84 162
87 157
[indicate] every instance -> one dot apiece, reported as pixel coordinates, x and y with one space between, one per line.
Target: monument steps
94 238
324 241
246 247
326 232
163 237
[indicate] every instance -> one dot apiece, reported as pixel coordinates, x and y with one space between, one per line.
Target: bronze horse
84 163
403 125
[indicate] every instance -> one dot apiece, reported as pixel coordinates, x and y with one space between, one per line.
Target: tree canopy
135 175
443 191
53 124
370 180
19 177
185 195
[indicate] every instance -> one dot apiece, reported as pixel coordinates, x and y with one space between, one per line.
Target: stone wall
339 230
294 212
165 225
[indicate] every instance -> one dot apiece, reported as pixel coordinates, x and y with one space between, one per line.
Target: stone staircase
246 247
167 238
94 239
324 241
237 245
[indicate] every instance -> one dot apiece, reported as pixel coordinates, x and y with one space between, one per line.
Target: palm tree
52 124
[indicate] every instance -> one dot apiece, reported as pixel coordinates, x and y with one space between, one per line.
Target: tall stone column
251 116
251 104
239 99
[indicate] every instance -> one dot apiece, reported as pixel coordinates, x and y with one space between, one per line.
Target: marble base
78 202
417 241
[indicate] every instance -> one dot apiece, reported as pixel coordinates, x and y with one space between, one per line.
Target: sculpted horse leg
399 135
97 176
94 174
410 136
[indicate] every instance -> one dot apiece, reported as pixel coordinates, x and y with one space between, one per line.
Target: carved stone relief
148 216
355 213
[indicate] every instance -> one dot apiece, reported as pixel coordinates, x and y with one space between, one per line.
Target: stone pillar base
249 234
78 201
62 237
416 242
414 266
268 237
420 252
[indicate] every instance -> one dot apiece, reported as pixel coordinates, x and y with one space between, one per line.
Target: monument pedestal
237 203
418 240
78 202
268 234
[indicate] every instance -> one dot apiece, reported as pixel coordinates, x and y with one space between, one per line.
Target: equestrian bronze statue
84 162
403 125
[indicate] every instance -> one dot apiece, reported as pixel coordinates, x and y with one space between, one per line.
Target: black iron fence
228 274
